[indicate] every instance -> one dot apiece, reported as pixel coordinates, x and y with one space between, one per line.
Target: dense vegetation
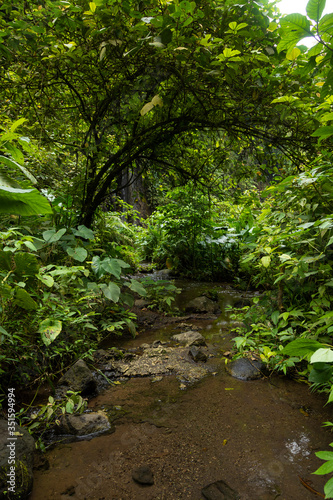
215 122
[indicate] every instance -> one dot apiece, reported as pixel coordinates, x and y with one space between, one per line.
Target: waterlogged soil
260 436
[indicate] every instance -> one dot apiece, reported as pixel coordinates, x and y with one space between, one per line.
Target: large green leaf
111 291
295 22
321 373
326 23
322 356
84 232
23 202
137 287
302 347
26 264
323 132
314 9
108 266
49 330
294 28
6 260
11 163
324 455
5 291
78 253
24 300
7 181
51 236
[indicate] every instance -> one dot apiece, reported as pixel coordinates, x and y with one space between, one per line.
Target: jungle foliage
227 118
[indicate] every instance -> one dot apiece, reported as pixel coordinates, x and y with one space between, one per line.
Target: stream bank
260 436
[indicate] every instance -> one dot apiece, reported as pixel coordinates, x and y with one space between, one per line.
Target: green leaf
137 287
302 347
46 279
188 21
5 291
111 291
70 406
51 236
26 264
84 232
321 373
295 22
17 123
49 330
315 50
323 132
23 299
328 488
322 356
78 253
324 455
275 317
293 53
266 260
285 98
326 23
6 260
325 468
314 9
108 266
14 164
23 202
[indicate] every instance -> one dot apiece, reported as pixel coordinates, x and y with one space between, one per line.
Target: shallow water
260 436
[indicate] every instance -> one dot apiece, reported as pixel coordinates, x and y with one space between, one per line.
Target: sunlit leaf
314 9
266 260
49 330
322 356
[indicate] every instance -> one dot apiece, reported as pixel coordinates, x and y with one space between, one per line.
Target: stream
260 436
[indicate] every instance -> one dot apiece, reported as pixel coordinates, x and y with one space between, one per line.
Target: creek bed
259 436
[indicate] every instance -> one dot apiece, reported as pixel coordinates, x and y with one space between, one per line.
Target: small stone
197 354
246 369
202 305
219 490
143 475
189 338
141 303
156 379
85 424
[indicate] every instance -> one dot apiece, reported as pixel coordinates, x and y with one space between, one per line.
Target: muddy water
260 437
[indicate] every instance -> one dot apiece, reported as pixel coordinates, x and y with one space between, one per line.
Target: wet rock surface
202 305
158 359
79 379
246 369
85 424
198 354
219 490
16 462
189 338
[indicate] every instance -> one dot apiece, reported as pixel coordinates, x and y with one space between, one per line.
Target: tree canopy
115 85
